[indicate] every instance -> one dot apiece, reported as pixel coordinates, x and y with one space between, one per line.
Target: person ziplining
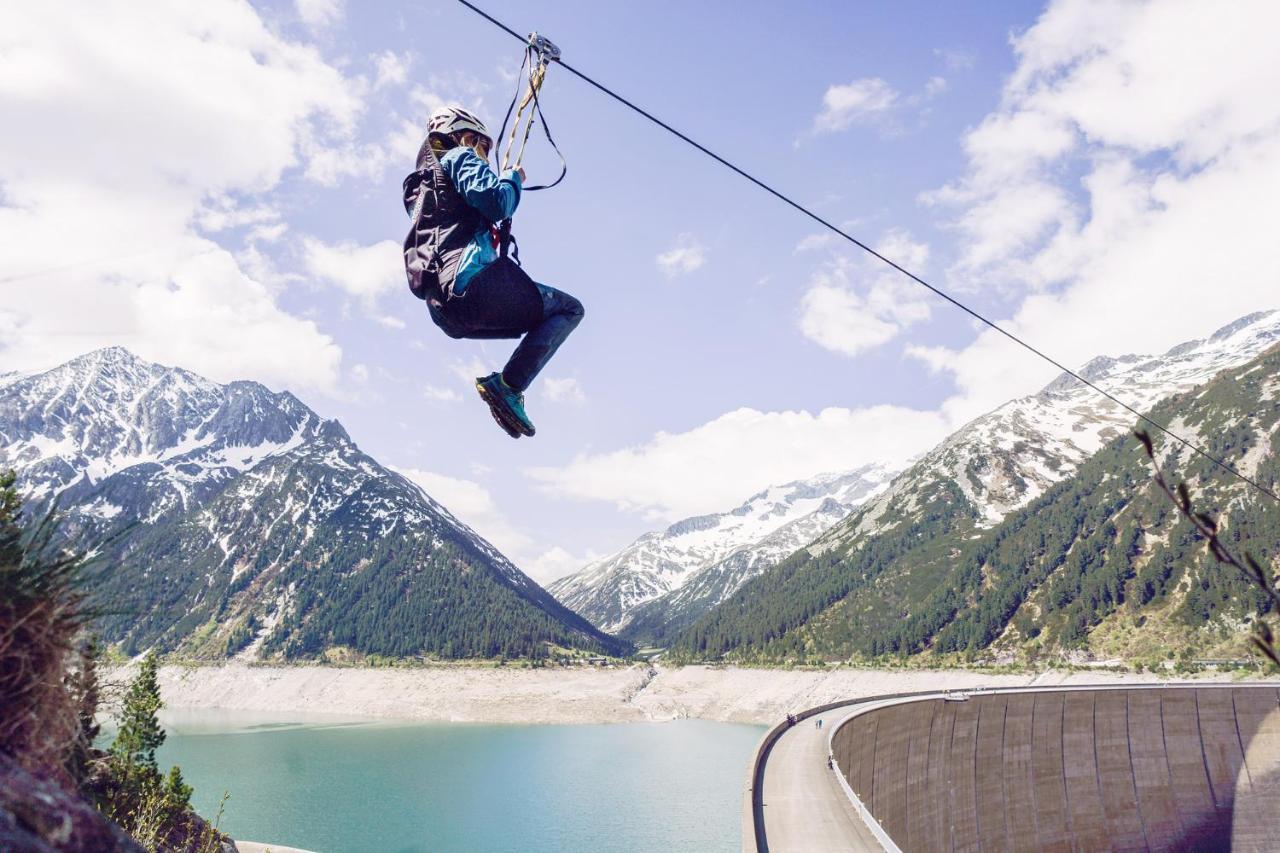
457 254
561 313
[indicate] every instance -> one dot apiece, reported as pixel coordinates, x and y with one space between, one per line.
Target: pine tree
10 510
140 733
176 792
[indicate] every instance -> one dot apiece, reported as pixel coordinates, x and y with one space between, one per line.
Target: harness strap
416 216
422 197
515 97
539 53
537 73
546 129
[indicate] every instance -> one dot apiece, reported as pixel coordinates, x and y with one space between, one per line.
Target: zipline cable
855 241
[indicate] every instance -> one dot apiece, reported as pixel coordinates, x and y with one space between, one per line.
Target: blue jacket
495 198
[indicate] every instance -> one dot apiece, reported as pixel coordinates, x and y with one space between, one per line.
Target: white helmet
450 120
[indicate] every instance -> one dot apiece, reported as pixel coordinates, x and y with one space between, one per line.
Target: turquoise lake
335 786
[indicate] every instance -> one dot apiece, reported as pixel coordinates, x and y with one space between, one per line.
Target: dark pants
501 301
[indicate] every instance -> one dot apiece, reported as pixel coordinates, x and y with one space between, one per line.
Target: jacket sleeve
496 198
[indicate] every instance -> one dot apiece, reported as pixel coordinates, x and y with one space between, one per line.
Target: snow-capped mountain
999 462
694 564
232 515
1012 455
949 553
923 568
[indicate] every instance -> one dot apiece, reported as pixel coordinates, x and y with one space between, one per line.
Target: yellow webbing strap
537 74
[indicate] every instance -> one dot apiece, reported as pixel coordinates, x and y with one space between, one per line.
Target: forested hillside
234 520
1101 562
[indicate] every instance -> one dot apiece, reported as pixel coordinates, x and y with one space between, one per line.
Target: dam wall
1157 768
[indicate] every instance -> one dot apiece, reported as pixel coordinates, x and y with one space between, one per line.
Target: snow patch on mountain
1012 455
117 440
765 528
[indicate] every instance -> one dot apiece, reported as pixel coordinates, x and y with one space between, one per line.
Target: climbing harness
539 53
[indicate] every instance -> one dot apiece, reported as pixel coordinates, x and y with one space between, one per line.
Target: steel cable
917 279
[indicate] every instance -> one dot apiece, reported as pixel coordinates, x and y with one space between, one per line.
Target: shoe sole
509 425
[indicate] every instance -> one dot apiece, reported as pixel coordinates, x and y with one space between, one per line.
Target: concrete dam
1098 768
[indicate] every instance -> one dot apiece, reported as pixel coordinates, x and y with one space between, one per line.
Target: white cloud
466 370
392 69
473 505
814 242
145 119
329 165
268 233
238 101
846 103
223 212
319 14
686 256
936 359
955 59
365 272
1125 193
898 246
708 468
333 161
565 390
852 306
555 562
469 501
199 311
401 146
441 394
834 317
457 88
935 86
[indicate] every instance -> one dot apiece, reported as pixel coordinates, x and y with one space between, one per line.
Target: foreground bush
42 613
57 789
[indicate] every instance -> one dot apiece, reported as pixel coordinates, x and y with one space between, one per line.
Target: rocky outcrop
36 816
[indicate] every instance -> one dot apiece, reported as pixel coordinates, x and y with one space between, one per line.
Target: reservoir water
339 786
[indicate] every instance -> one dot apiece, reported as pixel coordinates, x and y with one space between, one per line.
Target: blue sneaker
506 406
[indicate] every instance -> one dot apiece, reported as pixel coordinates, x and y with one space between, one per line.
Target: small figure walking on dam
456 259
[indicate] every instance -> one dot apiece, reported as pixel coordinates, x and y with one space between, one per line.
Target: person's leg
561 314
503 302
500 302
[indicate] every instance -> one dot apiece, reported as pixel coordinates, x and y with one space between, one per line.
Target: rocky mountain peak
1008 457
240 518
709 556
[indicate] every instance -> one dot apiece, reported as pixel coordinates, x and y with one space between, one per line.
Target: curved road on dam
794 802
804 806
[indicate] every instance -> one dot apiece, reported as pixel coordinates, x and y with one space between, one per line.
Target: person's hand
519 170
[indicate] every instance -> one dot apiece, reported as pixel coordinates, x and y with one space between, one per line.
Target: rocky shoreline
554 695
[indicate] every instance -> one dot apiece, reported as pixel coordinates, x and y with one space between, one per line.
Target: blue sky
232 172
